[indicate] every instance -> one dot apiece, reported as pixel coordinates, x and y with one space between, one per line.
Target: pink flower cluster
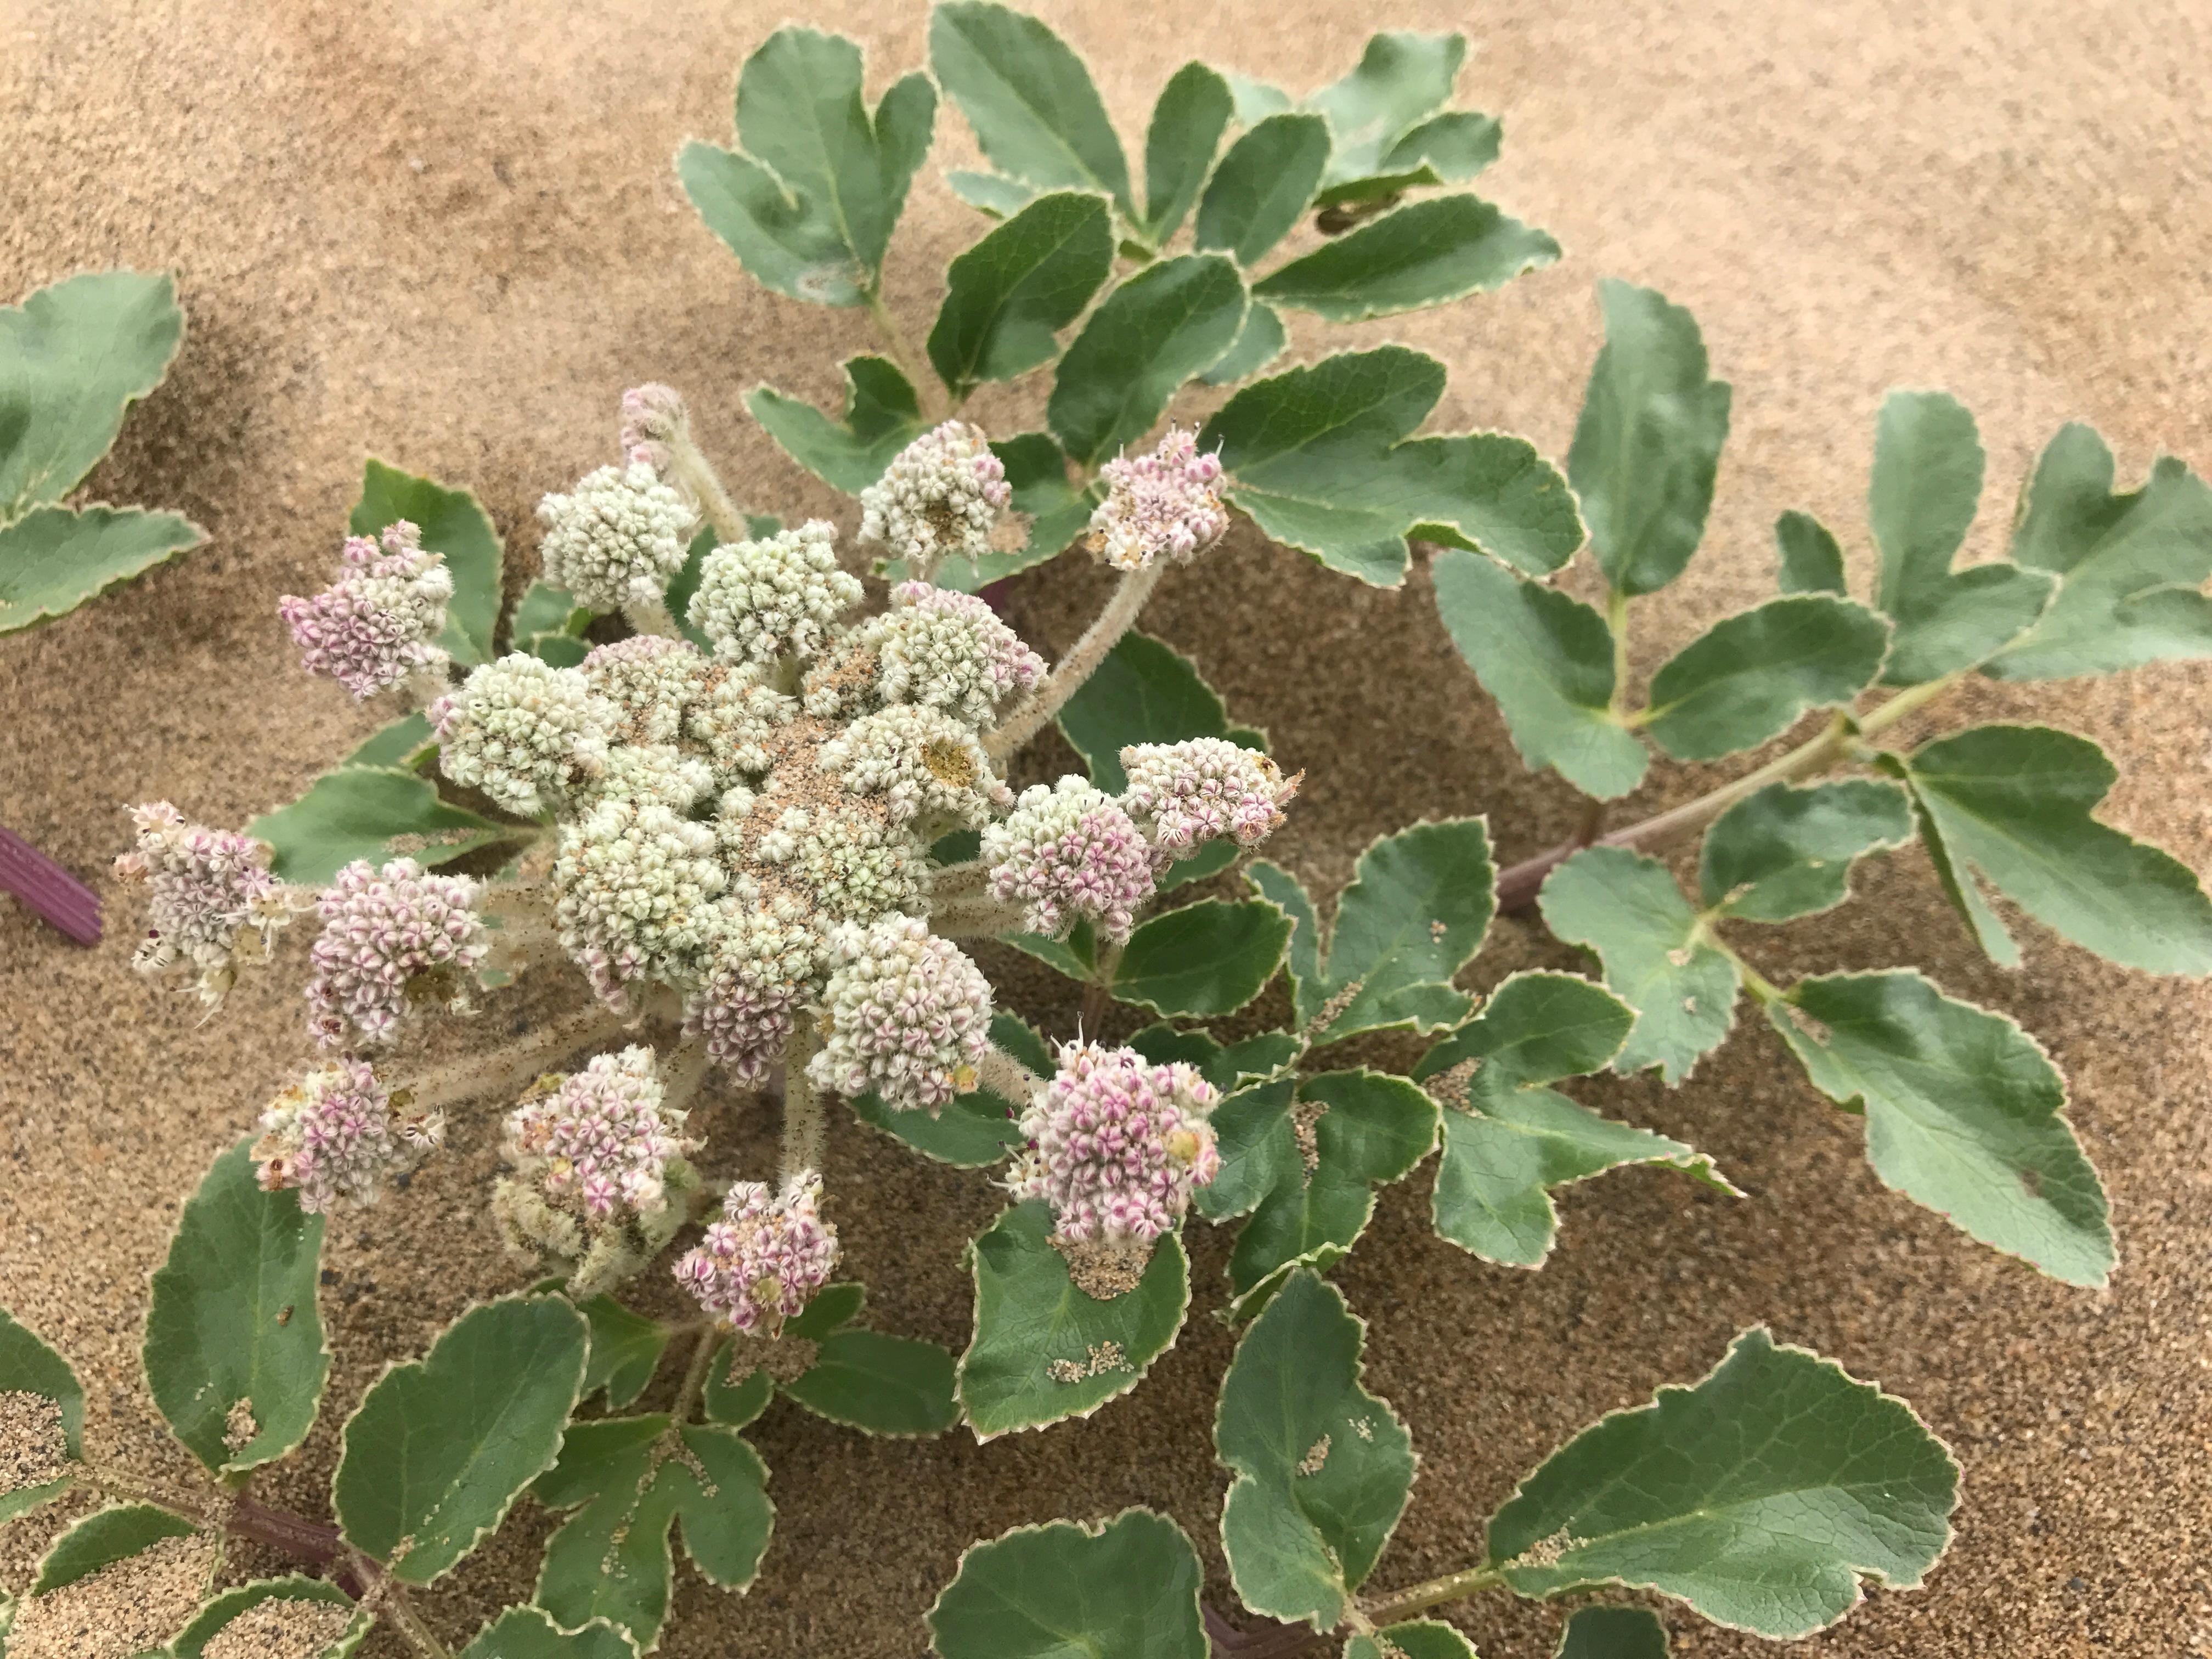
330 1135
380 620
745 1023
653 418
906 1014
1117 1144
1068 851
207 886
1166 504
1185 794
388 937
603 1139
763 1261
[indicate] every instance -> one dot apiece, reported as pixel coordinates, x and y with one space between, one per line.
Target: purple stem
48 889
1269 1640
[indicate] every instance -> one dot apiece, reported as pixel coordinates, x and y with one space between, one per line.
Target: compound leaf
454 523
529 1633
1422 254
28 1365
1030 101
890 1385
53 559
1401 77
1749 676
1787 851
1193 112
625 1351
1126 1589
1207 958
1261 189
1006 298
369 812
1171 321
1812 563
882 415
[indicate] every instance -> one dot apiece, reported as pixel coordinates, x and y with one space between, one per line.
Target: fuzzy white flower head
391 940
380 621
526 734
1117 1144
764 961
329 1135
601 1141
658 772
853 863
1068 851
941 496
764 1260
617 539
941 649
1164 505
761 600
635 885
214 903
905 1015
735 717
1185 794
921 760
650 678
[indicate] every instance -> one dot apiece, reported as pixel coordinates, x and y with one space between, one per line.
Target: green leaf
1926 478
734 1401
1255 101
2128 568
528 1633
1001 197
1647 444
1415 913
1302 961
1401 78
73 356
1015 1036
368 812
971 1132
828 1310
1546 659
1612 1633
233 1319
1319 458
1128 1589
1029 98
1627 909
1786 851
1964 1111
1005 297
54 559
442 1445
1420 1638
103 1538
191 1641
881 416
1749 676
1225 1068
1188 122
453 523
28 1365
1448 149
1143 692
1207 958
1076 956
889 1385
1030 1318
1169 322
1259 342
1760 1497
1260 191
625 1351
2014 805
403 744
1323 1467
630 1484
548 623
1812 563
1423 254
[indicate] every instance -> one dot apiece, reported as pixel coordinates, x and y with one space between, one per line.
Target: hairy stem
1006 1078
510 1068
393 1605
1115 619
1452 1587
682 1072
651 616
691 471
1098 994
311 1543
802 1124
976 915
1616 623
117 1483
694 1376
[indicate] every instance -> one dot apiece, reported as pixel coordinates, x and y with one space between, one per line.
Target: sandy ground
447 233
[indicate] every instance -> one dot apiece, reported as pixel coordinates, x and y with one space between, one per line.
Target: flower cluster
380 621
935 648
390 938
1116 1144
526 734
599 1143
1166 504
941 496
636 878
1184 793
653 421
651 679
214 901
330 1135
762 1262
905 1015
778 598
617 539
921 761
1067 852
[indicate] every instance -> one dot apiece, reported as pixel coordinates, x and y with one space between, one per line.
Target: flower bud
380 620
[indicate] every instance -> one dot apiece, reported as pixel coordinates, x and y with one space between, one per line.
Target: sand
447 233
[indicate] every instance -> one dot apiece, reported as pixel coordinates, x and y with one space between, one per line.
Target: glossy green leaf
890 1385
1029 98
1207 958
1126 1589
1321 459
1031 1320
441 1446
1006 297
454 523
1144 691
1419 1639
103 1538
404 743
1964 1113
1259 342
1612 1633
1170 322
2013 805
882 415
28 1365
1749 676
368 812
1627 909
1812 563
1647 444
192 1641
73 356
1323 1467
528 1633
53 559
1401 78
1787 851
1193 112
1761 1496
625 1351
1423 254
1547 660
1260 191
233 1319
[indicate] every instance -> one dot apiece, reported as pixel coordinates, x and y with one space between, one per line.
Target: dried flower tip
526 734
393 940
601 1142
921 761
635 882
763 1260
761 600
380 620
1166 504
940 496
213 901
330 1136
618 539
1116 1144
649 678
762 972
1185 794
906 1016
1068 852
34 1449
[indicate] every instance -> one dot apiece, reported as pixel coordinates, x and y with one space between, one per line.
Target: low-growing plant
756 818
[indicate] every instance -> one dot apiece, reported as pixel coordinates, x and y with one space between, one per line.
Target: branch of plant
1005 1077
934 409
392 1603
694 473
803 1117
1117 617
512 1067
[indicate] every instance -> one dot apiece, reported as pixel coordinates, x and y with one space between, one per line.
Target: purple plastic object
50 890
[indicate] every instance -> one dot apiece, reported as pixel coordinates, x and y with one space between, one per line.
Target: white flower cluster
778 597
214 903
921 761
941 496
617 539
1166 504
1182 794
905 1015
935 648
1070 852
526 734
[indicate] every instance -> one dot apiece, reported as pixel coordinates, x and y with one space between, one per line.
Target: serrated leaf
1006 297
1323 1467
889 1385
1415 913
1321 459
1448 149
1252 1138
1076 956
403 744
1170 322
1014 1036
882 415
28 1365
368 812
1546 659
1029 98
454 523
233 1319
1647 444
191 1641
1786 851
625 1351
1260 188
1423 254
1760 1497
971 1132
1126 1590
1401 78
103 1538
1207 958
1812 563
1193 112
1749 676
441 1446
1964 1111
54 559
735 1400
73 356
528 1633
1144 691
2013 805
828 1309
1259 342
1627 909
1419 1639
1612 1633
1030 1318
